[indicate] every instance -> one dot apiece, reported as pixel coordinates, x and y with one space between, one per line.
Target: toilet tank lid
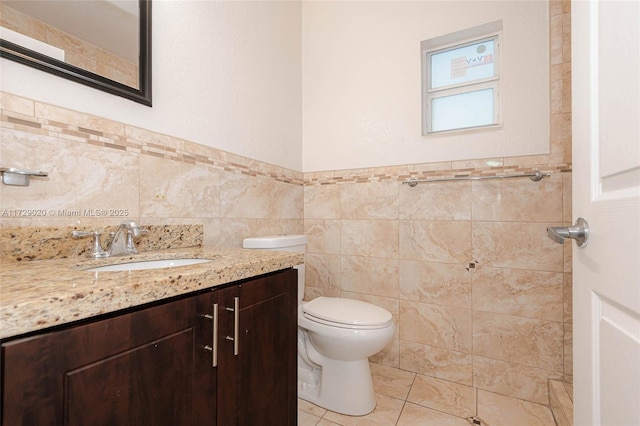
346 311
275 241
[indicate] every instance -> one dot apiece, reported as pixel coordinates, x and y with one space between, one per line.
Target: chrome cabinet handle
579 232
236 323
214 347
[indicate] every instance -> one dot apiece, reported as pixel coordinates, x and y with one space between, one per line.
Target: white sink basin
149 264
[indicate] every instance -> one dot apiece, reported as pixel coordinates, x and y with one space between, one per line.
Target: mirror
105 44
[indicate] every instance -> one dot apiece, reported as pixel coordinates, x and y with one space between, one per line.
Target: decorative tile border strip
402 173
46 120
41 119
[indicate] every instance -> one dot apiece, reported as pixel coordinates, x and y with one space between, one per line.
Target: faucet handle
131 246
96 247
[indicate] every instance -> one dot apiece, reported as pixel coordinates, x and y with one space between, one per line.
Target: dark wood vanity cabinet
155 365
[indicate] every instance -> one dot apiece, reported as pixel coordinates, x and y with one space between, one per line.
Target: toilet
336 336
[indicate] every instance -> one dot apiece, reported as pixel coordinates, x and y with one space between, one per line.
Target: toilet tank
293 242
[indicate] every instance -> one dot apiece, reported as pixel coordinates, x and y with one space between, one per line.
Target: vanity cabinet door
258 384
145 367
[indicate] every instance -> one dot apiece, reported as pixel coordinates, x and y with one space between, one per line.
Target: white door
606 192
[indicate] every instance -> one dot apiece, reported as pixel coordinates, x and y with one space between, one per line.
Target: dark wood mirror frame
45 63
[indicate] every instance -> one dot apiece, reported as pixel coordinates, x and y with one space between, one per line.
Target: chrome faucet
122 243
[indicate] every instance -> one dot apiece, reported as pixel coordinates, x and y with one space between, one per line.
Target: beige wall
362 85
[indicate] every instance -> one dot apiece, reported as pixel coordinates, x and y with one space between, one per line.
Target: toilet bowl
336 336
341 350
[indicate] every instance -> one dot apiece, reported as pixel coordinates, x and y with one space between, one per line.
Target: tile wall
97 165
481 297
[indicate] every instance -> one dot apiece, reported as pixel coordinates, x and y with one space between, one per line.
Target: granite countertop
39 294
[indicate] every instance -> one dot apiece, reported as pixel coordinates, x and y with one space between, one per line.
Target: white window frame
457 40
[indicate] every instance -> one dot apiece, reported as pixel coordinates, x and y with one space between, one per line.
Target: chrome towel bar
534 176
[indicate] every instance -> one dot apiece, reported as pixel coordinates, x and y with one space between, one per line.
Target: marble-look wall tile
376 238
444 364
85 183
556 39
322 201
437 283
323 235
441 395
532 342
515 380
233 231
518 200
286 199
175 189
560 137
244 197
370 275
428 167
278 226
568 349
534 294
441 326
372 200
478 163
323 270
567 207
436 241
389 356
517 245
80 119
555 81
436 201
499 410
567 253
311 292
9 102
568 297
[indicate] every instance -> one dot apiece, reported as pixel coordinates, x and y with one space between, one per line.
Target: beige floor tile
306 419
417 415
452 398
391 381
386 413
310 408
561 403
324 422
498 410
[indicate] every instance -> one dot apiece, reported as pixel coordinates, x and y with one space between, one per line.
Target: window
461 80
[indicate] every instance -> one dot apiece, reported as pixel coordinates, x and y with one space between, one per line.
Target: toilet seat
346 313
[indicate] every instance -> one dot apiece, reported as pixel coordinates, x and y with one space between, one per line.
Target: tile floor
398 405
